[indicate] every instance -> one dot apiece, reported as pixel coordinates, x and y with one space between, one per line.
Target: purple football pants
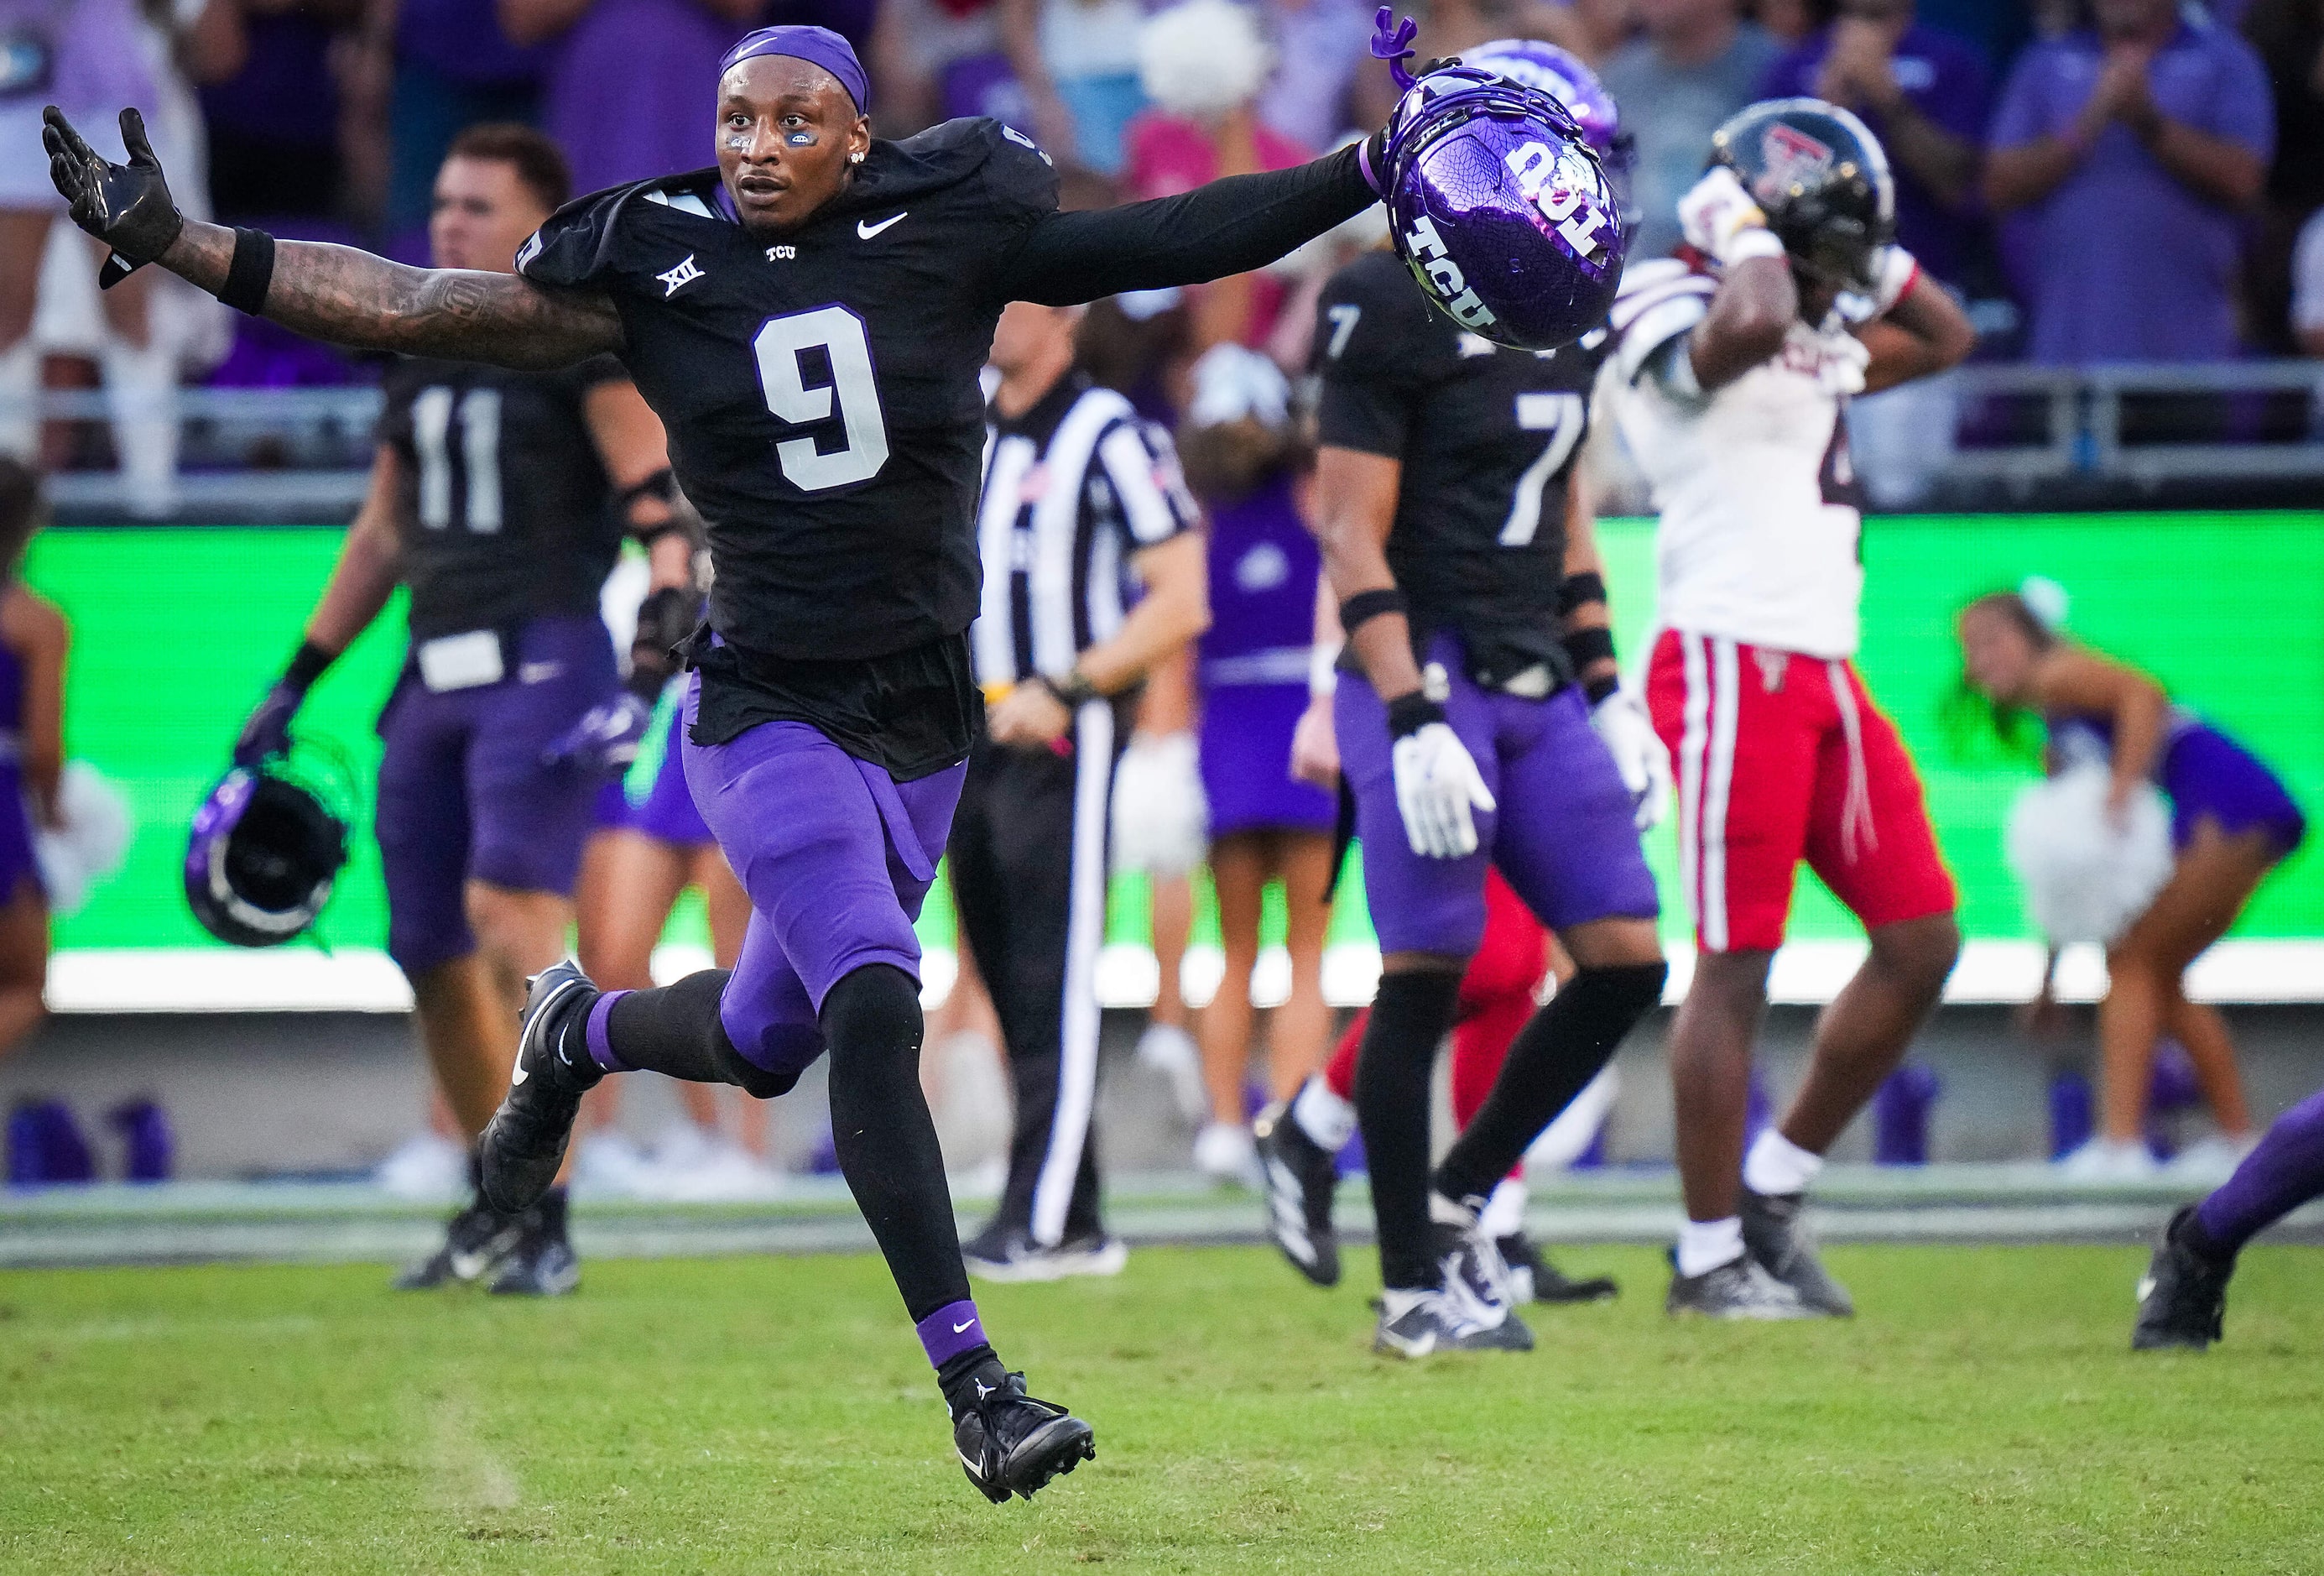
2283 1172
463 793
837 857
1563 835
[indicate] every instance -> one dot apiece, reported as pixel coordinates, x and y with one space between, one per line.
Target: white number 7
1560 415
780 344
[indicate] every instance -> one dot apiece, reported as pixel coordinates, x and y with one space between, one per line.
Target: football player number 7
1560 415
782 345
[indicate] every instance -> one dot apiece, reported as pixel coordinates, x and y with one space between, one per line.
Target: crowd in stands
2115 180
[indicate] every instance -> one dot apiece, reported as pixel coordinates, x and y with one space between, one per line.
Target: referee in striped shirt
1094 573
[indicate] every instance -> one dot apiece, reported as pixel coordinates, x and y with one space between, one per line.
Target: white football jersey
1761 512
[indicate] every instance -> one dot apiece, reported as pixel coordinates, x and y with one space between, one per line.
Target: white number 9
781 344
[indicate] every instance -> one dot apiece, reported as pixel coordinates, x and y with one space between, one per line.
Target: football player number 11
782 345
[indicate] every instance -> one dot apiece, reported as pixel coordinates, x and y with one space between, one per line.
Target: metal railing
2218 412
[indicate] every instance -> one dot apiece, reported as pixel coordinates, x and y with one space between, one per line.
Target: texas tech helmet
263 853
1502 209
1821 177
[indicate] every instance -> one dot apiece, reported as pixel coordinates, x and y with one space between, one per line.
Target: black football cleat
1010 1443
1003 1252
474 1243
1442 1320
1473 1275
2182 1297
1739 1289
1299 1180
542 1262
1533 1279
524 1142
1775 1235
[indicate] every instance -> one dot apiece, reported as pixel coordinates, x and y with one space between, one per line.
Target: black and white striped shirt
1072 489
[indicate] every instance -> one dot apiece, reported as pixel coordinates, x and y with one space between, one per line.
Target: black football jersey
506 513
819 388
820 391
1486 437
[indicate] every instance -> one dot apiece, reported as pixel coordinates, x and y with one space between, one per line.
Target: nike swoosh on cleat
2146 1287
866 230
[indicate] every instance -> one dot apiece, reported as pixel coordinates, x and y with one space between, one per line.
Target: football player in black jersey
500 499
808 320
1479 678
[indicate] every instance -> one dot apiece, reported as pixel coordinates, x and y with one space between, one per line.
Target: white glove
1720 219
1436 786
1894 269
1628 736
1161 820
1844 358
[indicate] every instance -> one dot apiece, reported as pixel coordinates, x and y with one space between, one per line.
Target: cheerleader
2231 822
33 639
1246 462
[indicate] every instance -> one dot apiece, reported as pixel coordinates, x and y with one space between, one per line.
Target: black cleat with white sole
1533 1279
475 1242
1418 1325
2182 1297
1741 1288
542 1262
1776 1234
524 1142
1299 1180
1012 1444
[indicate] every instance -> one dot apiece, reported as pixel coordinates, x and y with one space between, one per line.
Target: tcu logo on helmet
1560 202
1425 249
1792 157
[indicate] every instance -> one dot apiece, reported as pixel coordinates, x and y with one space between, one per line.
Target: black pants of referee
1028 858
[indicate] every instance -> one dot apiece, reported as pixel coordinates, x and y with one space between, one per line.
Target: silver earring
855 158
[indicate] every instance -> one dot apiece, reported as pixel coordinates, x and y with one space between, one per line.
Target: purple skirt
2212 777
1246 755
17 863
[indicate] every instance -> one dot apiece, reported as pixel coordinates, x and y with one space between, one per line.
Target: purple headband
817 45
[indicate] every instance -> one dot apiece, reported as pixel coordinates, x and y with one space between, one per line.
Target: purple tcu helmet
262 858
1502 209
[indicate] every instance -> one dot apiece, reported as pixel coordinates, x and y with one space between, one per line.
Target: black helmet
264 851
1821 177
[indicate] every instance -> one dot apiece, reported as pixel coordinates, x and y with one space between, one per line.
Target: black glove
267 734
129 207
665 618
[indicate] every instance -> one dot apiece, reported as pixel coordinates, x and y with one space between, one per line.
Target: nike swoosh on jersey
865 230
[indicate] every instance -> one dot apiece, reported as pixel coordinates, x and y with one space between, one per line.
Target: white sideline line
203 979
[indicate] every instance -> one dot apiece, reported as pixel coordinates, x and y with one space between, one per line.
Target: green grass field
775 1415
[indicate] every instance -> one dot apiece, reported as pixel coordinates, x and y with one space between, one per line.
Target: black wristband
307 665
250 273
1408 714
1365 606
1585 647
1073 691
1580 590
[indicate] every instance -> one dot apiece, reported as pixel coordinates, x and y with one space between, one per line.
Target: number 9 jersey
820 386
1487 438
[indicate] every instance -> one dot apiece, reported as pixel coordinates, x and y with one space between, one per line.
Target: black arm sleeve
1230 226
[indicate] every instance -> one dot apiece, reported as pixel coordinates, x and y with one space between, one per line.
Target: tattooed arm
331 293
352 298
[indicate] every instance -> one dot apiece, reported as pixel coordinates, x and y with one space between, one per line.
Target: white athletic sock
1704 1245
141 386
1776 1165
1324 1115
1505 1210
20 387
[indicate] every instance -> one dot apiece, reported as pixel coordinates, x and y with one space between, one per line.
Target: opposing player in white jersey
1733 364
